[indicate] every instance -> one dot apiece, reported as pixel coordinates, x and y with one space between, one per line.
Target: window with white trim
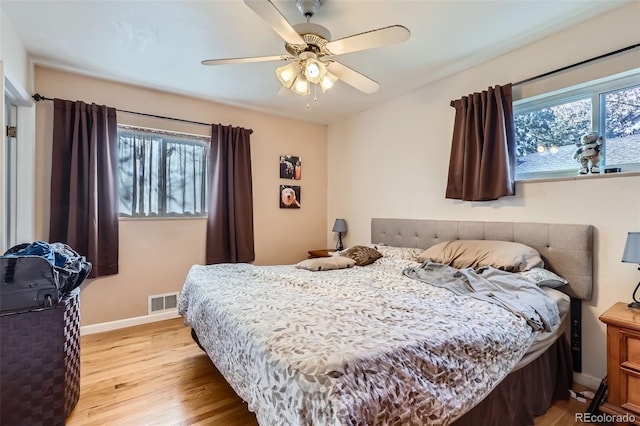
161 174
548 126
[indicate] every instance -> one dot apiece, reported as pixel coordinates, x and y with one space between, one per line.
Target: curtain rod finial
37 97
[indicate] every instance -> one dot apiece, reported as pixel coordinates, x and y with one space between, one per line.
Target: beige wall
155 255
395 159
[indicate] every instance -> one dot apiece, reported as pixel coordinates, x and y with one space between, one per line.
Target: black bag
41 280
27 282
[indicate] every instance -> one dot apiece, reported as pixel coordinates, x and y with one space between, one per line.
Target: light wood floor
155 374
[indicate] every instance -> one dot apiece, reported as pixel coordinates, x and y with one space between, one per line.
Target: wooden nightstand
623 362
320 253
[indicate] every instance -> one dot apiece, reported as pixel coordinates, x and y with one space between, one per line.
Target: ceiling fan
311 50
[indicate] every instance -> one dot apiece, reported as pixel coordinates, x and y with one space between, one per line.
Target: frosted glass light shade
301 86
328 81
287 74
313 70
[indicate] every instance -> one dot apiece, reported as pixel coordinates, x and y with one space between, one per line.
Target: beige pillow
505 255
326 263
362 255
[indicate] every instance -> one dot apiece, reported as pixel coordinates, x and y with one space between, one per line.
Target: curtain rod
38 97
615 52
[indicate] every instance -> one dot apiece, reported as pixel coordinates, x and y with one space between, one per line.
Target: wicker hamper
40 363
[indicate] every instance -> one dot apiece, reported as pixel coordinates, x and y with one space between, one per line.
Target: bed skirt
527 392
523 394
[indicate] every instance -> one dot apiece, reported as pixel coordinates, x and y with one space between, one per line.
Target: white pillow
399 253
544 277
326 263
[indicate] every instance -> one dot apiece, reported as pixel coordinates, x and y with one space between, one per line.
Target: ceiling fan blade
353 78
270 13
246 60
370 39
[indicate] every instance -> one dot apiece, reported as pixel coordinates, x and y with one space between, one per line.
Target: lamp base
636 302
339 246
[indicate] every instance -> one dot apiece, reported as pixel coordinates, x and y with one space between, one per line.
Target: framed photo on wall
290 167
289 197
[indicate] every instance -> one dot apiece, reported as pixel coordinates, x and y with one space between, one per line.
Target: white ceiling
159 44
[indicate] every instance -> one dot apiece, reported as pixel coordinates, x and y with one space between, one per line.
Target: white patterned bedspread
356 346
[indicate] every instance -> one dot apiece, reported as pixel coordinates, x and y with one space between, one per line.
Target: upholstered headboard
566 249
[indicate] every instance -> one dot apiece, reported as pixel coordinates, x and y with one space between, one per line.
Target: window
162 174
621 109
548 127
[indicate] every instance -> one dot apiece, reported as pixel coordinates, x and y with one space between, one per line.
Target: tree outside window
161 174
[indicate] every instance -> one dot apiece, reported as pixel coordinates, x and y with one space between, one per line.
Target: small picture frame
290 167
289 197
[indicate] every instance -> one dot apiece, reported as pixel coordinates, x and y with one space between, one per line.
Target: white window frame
595 90
166 216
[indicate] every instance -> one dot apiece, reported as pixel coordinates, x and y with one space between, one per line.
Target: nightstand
320 253
623 362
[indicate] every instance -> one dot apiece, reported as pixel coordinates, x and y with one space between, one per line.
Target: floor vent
163 302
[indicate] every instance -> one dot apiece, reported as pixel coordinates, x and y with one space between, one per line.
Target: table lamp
339 226
632 255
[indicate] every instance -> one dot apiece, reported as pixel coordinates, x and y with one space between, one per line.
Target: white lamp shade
632 248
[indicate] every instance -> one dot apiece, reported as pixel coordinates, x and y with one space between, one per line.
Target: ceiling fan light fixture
298 76
301 86
328 81
314 70
287 74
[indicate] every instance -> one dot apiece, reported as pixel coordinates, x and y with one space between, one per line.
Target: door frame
23 192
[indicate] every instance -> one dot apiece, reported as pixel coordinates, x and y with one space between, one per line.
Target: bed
370 345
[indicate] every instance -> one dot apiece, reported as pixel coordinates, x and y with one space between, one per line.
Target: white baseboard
586 380
127 322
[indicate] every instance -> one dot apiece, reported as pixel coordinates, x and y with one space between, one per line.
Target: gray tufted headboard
566 249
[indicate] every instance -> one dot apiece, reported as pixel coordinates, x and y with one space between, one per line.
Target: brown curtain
483 156
84 203
230 222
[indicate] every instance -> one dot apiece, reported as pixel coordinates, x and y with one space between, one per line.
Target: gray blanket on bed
505 289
